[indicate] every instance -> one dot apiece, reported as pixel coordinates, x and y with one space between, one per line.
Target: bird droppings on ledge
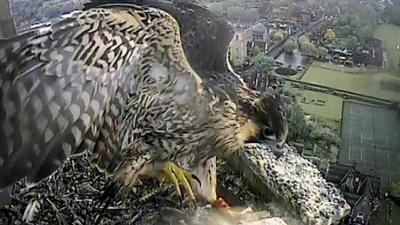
296 182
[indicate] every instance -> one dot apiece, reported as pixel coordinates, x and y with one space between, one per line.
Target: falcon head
269 109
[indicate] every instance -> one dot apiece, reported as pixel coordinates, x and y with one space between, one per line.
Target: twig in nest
134 219
106 198
60 217
150 195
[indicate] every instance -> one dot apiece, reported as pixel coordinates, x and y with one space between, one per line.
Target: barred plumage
116 80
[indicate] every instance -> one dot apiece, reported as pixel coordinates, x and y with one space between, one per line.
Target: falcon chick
135 86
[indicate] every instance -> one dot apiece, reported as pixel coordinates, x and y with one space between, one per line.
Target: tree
272 34
255 51
277 36
290 46
395 191
265 63
330 36
366 33
351 42
287 90
309 48
235 13
392 14
344 31
298 128
324 135
368 15
344 20
321 52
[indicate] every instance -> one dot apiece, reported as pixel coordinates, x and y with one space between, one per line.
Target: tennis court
371 141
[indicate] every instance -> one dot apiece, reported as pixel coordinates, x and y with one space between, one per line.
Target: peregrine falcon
144 87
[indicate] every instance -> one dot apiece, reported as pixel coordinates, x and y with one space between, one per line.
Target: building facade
245 40
238 47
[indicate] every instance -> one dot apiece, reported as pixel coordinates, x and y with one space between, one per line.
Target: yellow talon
177 176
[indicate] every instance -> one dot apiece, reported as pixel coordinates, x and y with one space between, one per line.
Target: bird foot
177 176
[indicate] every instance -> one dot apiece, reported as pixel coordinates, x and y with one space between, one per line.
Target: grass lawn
390 35
369 83
310 101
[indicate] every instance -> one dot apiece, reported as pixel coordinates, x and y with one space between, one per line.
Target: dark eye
267 131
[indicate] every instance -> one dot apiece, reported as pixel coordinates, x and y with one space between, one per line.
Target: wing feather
54 86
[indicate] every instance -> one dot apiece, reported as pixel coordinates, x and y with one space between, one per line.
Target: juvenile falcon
115 80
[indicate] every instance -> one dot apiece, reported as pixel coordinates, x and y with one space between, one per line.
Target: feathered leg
206 189
206 172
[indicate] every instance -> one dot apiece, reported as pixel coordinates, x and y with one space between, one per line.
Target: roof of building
259 27
337 173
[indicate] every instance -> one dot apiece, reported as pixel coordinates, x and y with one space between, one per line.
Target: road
277 50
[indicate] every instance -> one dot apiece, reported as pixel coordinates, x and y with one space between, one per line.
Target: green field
368 83
371 140
310 101
390 35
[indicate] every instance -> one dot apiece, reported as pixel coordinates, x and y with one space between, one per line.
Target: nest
79 194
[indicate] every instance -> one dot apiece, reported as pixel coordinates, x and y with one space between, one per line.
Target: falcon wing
205 35
57 87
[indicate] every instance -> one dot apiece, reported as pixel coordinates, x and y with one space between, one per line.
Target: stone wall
295 181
